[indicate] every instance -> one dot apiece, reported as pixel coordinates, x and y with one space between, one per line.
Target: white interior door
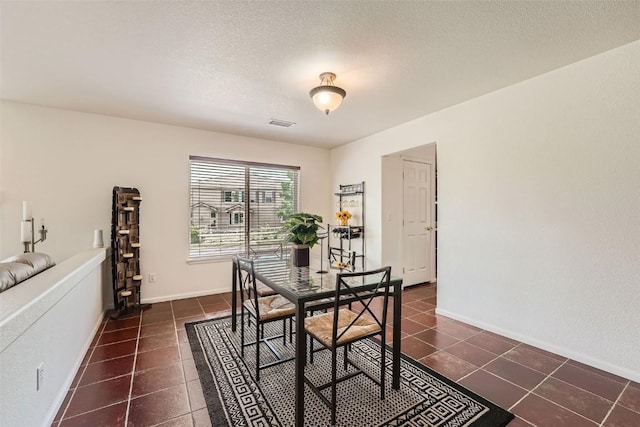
417 223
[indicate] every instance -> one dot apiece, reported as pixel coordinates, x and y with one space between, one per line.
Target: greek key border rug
233 398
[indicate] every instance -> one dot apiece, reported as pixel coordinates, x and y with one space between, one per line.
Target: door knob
429 228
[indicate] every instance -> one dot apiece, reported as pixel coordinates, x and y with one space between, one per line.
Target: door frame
432 203
391 202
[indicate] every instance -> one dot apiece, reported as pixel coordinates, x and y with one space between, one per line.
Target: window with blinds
239 207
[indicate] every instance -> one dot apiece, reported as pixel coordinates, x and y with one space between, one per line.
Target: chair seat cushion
263 290
321 327
272 307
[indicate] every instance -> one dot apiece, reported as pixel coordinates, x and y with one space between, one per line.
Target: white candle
97 239
25 231
27 212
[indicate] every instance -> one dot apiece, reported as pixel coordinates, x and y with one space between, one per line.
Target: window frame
240 195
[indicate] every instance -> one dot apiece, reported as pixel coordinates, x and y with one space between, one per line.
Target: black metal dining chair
263 310
344 326
261 289
342 259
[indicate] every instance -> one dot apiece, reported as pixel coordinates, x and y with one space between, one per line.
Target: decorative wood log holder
125 251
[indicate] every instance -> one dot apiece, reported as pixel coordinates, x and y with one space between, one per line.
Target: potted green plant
302 232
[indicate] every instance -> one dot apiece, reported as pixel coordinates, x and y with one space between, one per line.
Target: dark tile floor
139 370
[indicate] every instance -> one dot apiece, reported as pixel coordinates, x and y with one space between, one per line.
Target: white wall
66 163
539 208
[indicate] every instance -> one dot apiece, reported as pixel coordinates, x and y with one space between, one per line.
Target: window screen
238 207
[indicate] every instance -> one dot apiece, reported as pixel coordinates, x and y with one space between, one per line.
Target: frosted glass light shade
327 97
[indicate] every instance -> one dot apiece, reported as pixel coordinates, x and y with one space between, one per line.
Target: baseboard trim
183 296
562 351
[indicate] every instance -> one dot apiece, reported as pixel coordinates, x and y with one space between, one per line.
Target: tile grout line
565 408
491 361
581 389
99 334
439 350
566 361
589 369
522 364
543 380
184 375
595 423
175 333
615 403
133 370
97 408
84 368
551 401
519 386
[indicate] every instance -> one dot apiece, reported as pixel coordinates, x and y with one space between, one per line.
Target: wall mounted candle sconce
28 231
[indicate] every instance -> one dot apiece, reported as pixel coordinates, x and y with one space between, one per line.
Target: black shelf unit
125 250
350 237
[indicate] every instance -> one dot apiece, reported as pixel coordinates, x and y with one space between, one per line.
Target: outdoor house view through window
239 207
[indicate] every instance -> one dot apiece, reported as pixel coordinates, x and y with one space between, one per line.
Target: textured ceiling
230 66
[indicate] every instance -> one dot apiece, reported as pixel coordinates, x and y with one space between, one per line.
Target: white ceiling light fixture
327 97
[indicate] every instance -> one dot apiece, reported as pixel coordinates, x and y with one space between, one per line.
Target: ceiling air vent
283 123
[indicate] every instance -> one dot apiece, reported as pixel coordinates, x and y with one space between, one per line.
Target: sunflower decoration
343 217
342 265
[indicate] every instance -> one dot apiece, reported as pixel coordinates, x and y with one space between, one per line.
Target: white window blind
239 207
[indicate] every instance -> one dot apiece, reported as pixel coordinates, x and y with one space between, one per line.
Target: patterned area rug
233 398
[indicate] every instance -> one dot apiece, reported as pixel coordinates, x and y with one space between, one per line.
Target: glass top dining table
304 286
